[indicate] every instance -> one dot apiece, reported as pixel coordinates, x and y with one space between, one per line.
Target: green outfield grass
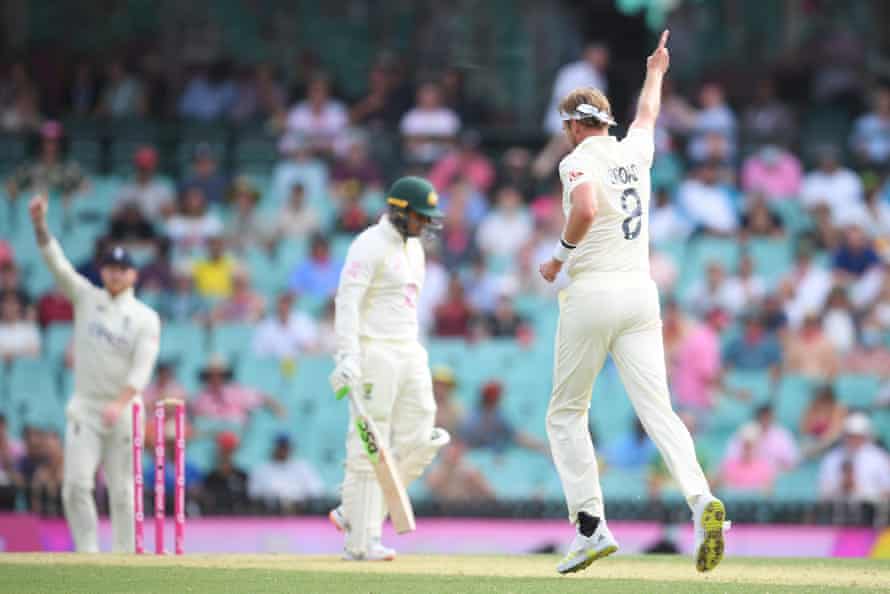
418 574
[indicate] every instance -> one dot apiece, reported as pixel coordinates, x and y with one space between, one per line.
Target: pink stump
138 500
180 479
159 478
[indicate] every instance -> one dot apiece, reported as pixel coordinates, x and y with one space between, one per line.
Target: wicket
159 491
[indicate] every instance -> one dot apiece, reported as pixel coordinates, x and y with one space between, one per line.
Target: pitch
418 574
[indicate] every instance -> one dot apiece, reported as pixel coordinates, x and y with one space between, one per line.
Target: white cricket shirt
379 288
618 239
116 340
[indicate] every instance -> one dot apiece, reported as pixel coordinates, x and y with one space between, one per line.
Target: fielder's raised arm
650 97
71 283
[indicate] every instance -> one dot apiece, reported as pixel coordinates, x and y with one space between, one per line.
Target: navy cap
117 256
282 440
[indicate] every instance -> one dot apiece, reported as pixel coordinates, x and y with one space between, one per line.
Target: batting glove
346 375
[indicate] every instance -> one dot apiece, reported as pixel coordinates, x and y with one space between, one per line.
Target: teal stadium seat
231 340
772 258
799 484
55 342
857 390
794 394
32 393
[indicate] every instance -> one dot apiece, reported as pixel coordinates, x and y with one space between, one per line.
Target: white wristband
563 250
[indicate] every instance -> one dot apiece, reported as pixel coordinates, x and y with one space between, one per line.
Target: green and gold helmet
414 193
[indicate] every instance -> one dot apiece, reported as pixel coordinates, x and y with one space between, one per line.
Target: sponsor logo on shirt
575 175
103 334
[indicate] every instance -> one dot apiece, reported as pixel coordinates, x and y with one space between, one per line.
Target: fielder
611 307
380 357
115 347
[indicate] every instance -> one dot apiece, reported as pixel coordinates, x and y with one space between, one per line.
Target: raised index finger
664 38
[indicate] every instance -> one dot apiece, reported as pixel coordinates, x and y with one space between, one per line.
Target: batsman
379 356
116 340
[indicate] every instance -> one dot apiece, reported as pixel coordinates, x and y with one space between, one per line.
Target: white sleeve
355 278
641 143
73 285
146 353
573 174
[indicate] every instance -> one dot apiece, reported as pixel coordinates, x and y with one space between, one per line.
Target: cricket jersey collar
390 231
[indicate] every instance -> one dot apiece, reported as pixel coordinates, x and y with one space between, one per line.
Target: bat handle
342 392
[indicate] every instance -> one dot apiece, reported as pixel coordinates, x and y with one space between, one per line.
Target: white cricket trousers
617 314
397 392
87 444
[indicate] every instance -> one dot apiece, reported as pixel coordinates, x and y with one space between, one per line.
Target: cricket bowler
380 358
611 307
115 346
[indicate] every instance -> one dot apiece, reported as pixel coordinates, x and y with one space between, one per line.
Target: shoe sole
710 553
588 561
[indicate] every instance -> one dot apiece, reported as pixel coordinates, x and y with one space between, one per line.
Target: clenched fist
38 208
660 59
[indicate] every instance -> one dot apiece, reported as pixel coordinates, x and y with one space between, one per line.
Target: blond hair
590 96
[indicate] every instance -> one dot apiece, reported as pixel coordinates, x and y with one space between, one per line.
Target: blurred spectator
805 287
10 453
750 468
774 317
663 270
320 120
676 325
190 228
773 173
11 282
285 334
351 215
487 427
504 322
856 470
326 343
50 171
122 95
876 213
19 337
245 228
809 352
707 202
258 95
244 305
83 91
157 275
466 161
213 274
714 118
54 307
745 289
225 486
755 350
435 287
871 132
869 355
837 321
182 304
666 222
774 442
855 256
633 450
760 221
822 422
34 440
428 129
205 174
165 386
449 412
589 71
711 292
514 170
209 93
767 119
463 196
296 218
383 105
356 172
299 166
697 366
453 316
7 256
46 483
454 479
23 115
458 237
225 400
470 108
832 185
284 479
318 276
131 226
90 268
153 195
507 227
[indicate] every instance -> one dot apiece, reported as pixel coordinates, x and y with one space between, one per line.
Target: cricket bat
397 502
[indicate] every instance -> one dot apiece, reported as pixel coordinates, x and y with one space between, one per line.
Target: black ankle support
587 524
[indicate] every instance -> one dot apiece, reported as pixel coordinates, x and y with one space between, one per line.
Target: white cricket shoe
338 519
376 552
709 518
584 550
